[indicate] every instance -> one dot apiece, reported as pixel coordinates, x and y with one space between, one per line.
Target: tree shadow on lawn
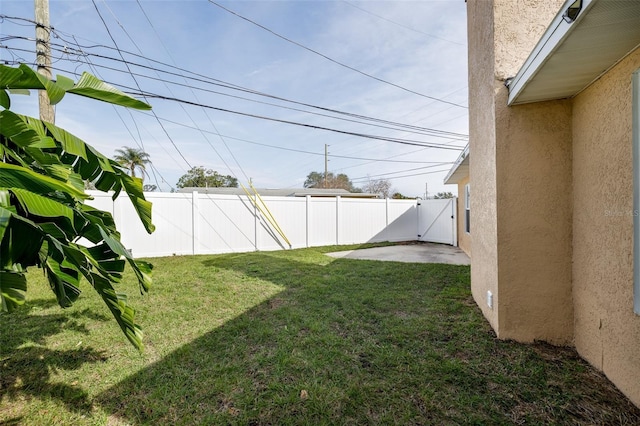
386 343
26 364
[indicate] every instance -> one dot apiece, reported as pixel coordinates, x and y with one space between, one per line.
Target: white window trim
636 190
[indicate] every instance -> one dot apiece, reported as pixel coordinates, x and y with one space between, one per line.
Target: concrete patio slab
410 253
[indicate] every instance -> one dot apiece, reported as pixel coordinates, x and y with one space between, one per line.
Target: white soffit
460 168
570 56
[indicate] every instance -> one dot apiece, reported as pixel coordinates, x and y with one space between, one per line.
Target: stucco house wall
552 205
484 246
512 202
607 332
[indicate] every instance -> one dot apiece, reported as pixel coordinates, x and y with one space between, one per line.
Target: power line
146 95
415 174
300 150
311 126
403 127
136 82
399 171
333 60
402 25
140 144
234 87
196 97
208 80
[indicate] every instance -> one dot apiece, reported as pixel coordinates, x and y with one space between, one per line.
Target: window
636 190
467 209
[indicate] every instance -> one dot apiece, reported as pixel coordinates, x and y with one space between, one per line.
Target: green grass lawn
294 337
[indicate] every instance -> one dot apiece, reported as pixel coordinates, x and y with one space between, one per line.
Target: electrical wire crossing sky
256 89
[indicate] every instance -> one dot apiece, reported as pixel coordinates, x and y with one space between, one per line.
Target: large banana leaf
13 287
43 213
88 86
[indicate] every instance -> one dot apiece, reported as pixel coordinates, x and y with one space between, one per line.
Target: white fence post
256 223
307 219
338 199
386 217
195 222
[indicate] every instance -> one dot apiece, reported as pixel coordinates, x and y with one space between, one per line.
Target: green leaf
42 206
16 130
18 78
122 312
5 100
54 92
64 82
70 143
91 87
5 217
64 280
13 289
21 240
42 209
25 92
19 177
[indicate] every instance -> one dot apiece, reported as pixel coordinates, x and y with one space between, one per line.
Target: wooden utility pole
43 56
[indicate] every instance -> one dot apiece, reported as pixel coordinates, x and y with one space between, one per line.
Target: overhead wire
140 143
300 150
397 172
141 92
136 92
209 80
401 25
167 87
331 59
196 97
311 126
412 175
136 83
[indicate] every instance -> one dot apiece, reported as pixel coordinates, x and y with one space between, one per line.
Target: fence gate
437 221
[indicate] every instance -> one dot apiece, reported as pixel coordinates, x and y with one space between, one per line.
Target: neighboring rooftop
286 192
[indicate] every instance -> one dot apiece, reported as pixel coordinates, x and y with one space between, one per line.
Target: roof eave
550 41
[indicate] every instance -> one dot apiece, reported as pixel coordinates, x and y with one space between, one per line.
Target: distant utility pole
43 56
326 163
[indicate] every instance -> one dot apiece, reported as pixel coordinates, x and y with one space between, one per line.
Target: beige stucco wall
552 203
464 238
517 199
607 332
484 228
534 220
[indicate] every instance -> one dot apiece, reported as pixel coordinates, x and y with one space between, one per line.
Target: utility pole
326 163
43 56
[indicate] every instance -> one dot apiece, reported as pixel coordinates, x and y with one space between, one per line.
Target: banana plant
44 217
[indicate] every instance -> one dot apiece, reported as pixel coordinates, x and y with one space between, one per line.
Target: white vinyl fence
208 224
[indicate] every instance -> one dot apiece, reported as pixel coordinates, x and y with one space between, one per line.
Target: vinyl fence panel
322 222
207 224
226 224
362 220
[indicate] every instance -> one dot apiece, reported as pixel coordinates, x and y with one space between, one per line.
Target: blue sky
418 45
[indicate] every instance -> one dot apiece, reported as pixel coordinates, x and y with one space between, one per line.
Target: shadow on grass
26 364
362 342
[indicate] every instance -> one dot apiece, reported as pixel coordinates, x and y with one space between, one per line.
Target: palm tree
132 159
